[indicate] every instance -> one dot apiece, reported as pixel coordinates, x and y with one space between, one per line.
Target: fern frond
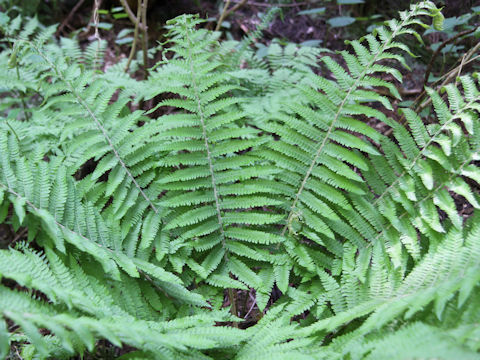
315 149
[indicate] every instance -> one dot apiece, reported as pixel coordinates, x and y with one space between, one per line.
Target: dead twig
401 91
96 19
131 15
145 37
226 11
439 49
140 21
92 19
69 16
448 77
19 236
454 73
254 302
273 5
135 37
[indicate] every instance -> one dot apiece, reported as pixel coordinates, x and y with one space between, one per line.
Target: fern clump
247 177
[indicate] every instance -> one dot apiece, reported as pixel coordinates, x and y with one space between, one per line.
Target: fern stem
13 130
233 303
414 161
22 96
231 295
99 126
205 139
117 155
332 125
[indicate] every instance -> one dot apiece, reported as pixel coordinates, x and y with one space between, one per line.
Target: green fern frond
260 186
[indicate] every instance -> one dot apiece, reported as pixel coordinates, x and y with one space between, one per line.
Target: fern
95 311
214 198
315 150
259 178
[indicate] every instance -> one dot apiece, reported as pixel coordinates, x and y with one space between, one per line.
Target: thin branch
92 19
251 307
135 37
440 48
69 16
401 91
130 13
273 5
145 37
447 78
460 68
96 19
19 236
222 15
226 11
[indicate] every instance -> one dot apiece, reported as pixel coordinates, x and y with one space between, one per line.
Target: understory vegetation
227 205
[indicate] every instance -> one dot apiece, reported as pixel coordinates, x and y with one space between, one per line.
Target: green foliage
248 172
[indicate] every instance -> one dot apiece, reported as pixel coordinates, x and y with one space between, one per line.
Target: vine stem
69 16
134 19
140 21
332 126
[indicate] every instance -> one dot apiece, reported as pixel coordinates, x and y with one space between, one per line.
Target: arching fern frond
447 278
58 217
425 173
318 150
216 183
